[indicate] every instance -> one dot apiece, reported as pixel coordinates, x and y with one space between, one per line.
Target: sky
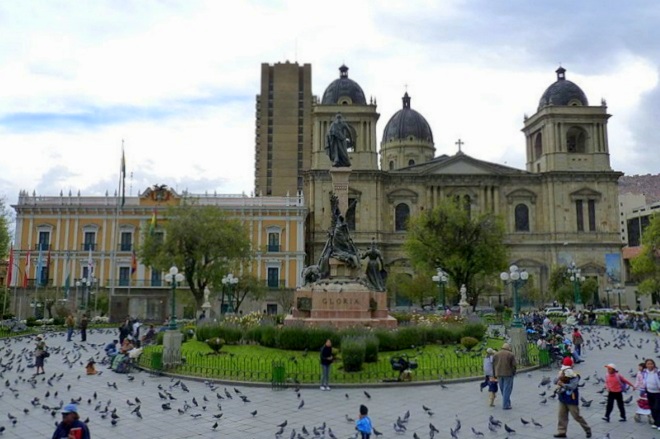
176 81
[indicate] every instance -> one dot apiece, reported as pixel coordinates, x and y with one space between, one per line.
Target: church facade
562 209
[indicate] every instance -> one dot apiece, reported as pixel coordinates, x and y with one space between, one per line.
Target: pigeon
214 426
283 424
477 433
509 429
524 422
166 406
367 394
536 423
254 413
433 428
302 403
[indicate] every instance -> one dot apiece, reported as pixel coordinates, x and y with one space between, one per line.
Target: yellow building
71 236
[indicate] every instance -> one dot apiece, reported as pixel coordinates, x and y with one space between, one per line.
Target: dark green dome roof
343 87
563 92
407 123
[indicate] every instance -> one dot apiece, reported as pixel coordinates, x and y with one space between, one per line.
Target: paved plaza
194 413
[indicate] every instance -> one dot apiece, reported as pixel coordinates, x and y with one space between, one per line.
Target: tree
5 235
646 265
563 290
202 241
463 245
248 285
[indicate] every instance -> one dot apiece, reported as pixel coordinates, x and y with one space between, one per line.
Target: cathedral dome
343 91
563 92
407 123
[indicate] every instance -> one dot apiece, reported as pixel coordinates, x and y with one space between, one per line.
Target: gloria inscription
340 301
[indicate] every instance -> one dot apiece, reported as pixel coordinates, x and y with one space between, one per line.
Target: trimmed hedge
353 352
370 348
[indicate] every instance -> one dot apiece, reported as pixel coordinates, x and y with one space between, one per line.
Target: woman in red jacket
615 383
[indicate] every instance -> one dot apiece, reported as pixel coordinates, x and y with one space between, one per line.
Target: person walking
70 324
39 354
71 426
84 321
577 341
326 361
569 398
504 369
488 368
363 424
616 384
652 385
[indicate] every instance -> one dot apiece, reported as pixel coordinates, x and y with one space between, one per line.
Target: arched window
538 146
411 162
576 140
401 215
521 214
391 165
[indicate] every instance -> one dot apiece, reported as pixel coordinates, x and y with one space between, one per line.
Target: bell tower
566 133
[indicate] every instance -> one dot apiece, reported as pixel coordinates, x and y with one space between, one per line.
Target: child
91 370
643 408
492 390
614 382
363 425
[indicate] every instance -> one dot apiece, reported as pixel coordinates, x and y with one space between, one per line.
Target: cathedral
561 209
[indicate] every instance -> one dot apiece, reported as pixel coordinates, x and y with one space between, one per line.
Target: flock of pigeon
111 400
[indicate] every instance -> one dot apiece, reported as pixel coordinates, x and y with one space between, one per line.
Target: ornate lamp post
576 277
516 278
619 290
608 290
174 278
441 278
230 282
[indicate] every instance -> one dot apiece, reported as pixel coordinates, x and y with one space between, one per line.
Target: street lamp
516 278
619 290
230 282
441 278
577 278
608 290
174 278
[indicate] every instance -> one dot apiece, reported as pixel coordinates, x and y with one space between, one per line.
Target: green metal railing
300 369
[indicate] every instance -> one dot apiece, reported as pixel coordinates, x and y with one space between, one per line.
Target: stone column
340 186
519 345
172 340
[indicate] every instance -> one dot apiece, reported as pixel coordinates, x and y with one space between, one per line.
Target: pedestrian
577 340
488 368
652 385
124 330
363 424
639 378
40 354
569 398
326 361
492 390
84 321
504 369
616 384
70 324
71 426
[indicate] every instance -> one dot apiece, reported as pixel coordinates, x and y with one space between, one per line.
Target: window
271 309
44 240
401 215
124 276
411 162
89 241
125 241
156 278
273 277
43 275
591 210
391 165
538 147
579 215
273 242
350 214
576 140
522 218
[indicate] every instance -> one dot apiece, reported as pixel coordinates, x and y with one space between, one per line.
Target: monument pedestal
340 186
519 345
172 340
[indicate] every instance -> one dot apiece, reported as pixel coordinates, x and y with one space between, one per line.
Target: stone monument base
172 340
340 302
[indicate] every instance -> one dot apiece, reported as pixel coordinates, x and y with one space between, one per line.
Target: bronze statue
375 268
337 141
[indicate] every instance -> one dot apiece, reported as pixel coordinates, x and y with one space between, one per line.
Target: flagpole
119 203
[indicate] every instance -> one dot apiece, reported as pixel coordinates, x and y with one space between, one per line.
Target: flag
48 265
40 266
152 226
133 263
67 282
122 173
26 273
90 265
10 269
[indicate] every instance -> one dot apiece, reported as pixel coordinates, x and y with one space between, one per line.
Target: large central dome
343 91
563 92
406 124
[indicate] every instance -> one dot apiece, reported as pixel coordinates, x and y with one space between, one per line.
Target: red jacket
613 382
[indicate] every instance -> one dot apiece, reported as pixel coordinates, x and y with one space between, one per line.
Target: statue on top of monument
375 272
338 140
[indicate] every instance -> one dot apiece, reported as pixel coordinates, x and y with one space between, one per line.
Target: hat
490 351
611 366
69 408
506 346
569 373
567 361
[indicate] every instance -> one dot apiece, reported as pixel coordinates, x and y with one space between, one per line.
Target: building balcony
125 283
125 247
273 248
42 246
87 246
275 284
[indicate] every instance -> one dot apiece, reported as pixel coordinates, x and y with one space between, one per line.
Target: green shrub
370 348
402 317
292 338
352 353
188 332
58 321
215 344
443 335
206 332
469 342
231 334
475 330
159 337
410 336
270 336
387 340
31 321
253 335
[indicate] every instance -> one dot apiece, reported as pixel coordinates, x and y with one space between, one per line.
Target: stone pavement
457 401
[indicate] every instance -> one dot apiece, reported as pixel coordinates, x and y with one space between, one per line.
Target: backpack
624 385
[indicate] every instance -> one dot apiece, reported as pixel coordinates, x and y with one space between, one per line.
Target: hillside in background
648 185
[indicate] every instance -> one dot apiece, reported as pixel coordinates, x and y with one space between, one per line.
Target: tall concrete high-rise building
283 141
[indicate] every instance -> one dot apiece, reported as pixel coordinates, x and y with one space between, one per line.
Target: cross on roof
460 143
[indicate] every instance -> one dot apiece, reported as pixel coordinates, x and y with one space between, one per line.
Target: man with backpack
616 385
